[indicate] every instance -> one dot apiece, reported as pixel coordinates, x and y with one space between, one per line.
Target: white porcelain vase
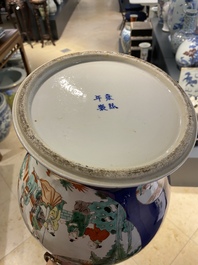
160 10
165 9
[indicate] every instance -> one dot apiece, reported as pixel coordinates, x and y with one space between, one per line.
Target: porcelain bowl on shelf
102 132
10 79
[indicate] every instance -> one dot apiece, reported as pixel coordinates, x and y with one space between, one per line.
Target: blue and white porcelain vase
5 117
187 53
187 31
160 10
125 38
176 13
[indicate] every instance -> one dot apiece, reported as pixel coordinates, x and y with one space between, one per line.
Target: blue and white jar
187 53
5 117
187 31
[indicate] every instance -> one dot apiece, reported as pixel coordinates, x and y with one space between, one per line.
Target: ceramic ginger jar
187 53
93 187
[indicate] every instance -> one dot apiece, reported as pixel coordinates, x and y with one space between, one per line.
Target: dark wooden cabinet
58 21
62 16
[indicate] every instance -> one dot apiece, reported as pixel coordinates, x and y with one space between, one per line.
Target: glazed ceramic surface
165 16
187 53
10 79
144 49
188 80
176 13
161 4
99 118
5 118
102 131
187 31
125 39
88 225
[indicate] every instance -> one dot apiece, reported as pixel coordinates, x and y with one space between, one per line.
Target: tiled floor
93 26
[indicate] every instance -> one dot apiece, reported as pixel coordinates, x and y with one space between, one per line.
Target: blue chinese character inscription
98 97
104 106
112 106
108 97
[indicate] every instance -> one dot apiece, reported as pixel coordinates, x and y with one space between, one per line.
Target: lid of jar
104 119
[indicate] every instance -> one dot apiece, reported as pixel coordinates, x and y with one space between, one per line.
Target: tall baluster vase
160 10
176 13
187 31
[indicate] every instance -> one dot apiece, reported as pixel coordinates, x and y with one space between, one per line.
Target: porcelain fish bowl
103 131
10 79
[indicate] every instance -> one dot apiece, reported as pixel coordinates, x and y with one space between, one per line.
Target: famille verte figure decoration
101 224
93 187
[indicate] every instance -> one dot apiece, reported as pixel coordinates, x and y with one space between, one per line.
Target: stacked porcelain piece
182 24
